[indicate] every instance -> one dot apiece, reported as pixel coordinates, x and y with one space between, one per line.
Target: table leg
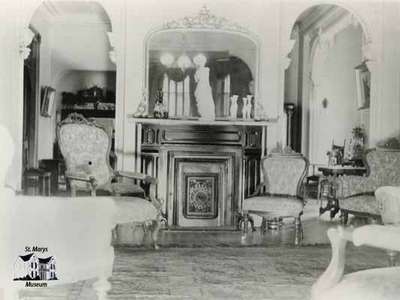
332 201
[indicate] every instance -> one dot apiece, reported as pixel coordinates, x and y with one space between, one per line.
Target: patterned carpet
277 273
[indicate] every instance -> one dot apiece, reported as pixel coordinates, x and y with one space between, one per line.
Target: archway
321 34
76 56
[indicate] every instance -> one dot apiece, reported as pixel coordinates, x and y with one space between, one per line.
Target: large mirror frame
204 21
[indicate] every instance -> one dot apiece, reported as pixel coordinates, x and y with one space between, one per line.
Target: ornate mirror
198 66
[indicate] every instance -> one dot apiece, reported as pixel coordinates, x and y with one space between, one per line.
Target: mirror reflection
201 74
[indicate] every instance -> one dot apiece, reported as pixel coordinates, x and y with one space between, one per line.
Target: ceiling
76 33
75 11
323 15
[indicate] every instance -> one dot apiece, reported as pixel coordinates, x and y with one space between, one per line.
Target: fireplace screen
201 199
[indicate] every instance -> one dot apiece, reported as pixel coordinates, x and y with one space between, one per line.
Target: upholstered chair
378 283
85 147
77 231
280 195
356 193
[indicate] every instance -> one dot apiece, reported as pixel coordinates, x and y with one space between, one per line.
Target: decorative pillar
289 110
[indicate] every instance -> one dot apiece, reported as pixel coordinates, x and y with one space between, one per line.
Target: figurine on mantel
234 107
203 93
141 110
246 111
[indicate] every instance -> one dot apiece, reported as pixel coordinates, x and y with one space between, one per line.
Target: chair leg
155 232
102 286
263 227
245 221
344 217
298 231
251 220
73 191
392 257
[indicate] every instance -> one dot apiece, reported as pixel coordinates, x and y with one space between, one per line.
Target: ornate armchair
76 231
356 193
377 284
281 194
85 147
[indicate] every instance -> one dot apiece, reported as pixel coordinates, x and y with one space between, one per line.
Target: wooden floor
314 234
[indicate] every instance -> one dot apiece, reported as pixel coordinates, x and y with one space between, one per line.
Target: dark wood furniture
37 182
327 185
342 170
52 166
205 169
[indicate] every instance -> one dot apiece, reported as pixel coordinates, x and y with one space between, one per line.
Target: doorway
31 106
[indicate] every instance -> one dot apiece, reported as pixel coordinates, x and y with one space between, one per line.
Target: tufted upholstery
383 169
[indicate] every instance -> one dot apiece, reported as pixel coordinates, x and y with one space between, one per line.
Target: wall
272 21
45 124
143 13
334 80
67 44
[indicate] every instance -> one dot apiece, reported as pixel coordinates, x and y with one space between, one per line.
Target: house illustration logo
30 267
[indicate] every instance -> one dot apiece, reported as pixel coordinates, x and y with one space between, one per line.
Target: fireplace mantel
205 168
225 122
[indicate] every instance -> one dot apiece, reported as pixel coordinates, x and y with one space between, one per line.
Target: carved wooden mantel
204 168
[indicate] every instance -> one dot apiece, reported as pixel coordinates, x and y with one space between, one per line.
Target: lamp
183 61
167 59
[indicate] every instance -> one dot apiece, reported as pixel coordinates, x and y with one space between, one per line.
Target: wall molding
27 36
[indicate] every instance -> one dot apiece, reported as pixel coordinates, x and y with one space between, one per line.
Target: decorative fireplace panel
201 193
201 200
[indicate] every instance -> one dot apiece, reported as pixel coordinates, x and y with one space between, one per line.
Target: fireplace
204 170
201 190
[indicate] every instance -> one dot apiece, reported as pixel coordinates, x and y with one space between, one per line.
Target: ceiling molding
322 18
73 13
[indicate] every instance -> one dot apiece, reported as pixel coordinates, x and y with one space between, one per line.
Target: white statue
203 94
234 107
246 111
141 110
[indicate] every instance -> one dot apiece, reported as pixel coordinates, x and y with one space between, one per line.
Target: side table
52 166
327 186
37 182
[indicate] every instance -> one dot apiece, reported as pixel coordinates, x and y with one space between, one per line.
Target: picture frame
363 84
47 101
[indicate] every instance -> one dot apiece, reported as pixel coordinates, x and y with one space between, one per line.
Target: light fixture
167 59
184 62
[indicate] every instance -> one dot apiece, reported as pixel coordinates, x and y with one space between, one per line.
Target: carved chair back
284 173
85 147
